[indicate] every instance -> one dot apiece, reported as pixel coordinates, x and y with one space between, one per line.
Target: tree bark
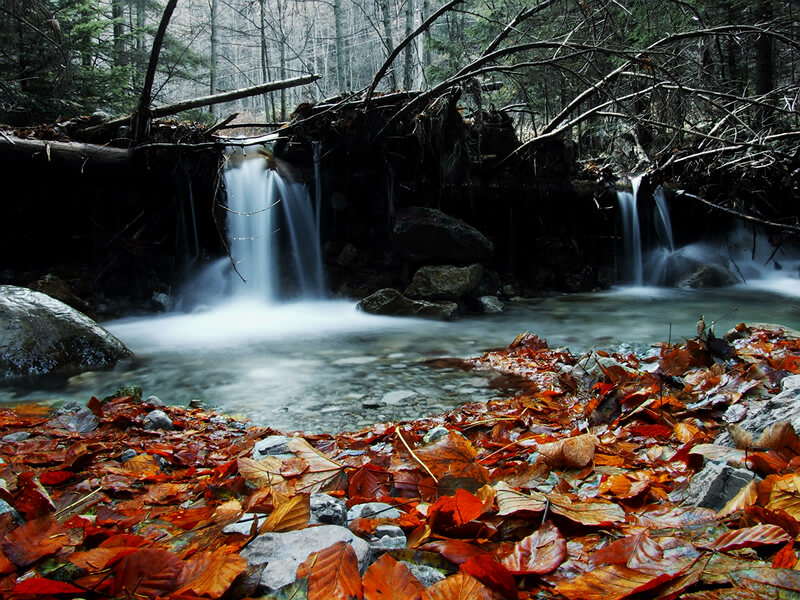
408 66
388 40
212 88
142 116
341 48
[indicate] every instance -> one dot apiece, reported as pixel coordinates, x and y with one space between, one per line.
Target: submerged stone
391 302
41 335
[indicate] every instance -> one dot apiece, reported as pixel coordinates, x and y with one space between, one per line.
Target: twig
78 502
730 211
416 458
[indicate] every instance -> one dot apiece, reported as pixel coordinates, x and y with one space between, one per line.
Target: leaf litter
572 488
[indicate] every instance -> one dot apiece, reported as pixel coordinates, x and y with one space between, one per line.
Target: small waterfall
273 238
647 241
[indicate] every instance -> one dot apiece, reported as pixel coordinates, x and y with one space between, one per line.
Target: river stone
426 575
429 235
40 335
273 445
373 510
716 484
325 509
157 419
489 305
709 276
390 302
282 553
444 282
17 436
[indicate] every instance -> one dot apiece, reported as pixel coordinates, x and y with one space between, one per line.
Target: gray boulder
373 510
428 235
281 553
325 509
763 413
708 276
444 282
390 302
489 305
715 485
157 419
41 335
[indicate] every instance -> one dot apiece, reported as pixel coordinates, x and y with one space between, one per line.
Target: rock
57 288
426 575
489 304
17 436
708 276
369 510
274 445
388 301
387 537
154 401
434 435
444 282
714 485
397 396
428 235
82 420
127 454
326 509
157 419
41 335
347 256
763 413
282 553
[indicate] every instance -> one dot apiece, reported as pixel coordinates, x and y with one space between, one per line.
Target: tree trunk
265 74
212 88
764 64
341 47
408 65
118 31
388 40
426 39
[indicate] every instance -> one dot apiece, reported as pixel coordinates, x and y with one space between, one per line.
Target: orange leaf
785 558
456 551
458 587
370 481
453 455
539 553
455 511
211 573
510 500
574 452
322 474
292 514
750 537
610 582
332 573
388 579
587 512
491 573
261 473
34 540
149 572
98 559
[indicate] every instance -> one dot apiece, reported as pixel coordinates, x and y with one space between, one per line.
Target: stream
323 366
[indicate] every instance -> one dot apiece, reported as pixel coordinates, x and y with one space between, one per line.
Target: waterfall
647 240
273 239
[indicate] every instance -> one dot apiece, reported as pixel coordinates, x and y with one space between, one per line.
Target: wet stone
274 445
127 454
327 510
157 419
154 401
17 436
426 575
368 510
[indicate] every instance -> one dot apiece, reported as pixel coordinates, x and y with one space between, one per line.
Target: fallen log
72 155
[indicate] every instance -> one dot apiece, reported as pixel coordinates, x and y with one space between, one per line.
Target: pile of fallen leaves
571 489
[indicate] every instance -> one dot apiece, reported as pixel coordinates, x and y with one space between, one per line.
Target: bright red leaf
491 573
539 553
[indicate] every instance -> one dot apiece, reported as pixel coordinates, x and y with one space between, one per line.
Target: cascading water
647 242
274 243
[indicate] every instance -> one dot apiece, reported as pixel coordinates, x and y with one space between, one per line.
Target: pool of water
324 366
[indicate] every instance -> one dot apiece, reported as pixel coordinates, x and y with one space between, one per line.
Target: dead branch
739 215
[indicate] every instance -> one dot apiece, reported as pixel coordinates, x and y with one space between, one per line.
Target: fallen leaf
458 587
148 572
454 511
211 573
510 500
332 573
750 537
292 514
323 473
35 539
610 582
261 473
572 453
591 511
491 573
539 553
388 579
453 455
41 586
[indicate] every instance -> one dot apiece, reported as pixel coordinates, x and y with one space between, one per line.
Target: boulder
326 509
429 235
279 554
715 485
708 276
489 305
444 282
41 335
390 302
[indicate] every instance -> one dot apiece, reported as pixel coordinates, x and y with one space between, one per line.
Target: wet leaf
491 573
742 438
745 497
41 586
454 511
539 553
750 537
388 579
32 500
458 587
610 582
35 539
148 572
785 558
332 573
587 512
780 436
294 513
510 500
211 573
261 473
453 455
323 473
456 551
572 453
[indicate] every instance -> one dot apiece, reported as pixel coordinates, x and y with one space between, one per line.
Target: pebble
157 419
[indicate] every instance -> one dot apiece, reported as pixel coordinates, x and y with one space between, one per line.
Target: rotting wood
69 154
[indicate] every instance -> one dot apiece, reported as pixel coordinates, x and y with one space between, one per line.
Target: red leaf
370 481
387 579
332 573
456 551
41 585
32 499
34 540
488 570
458 587
455 511
149 572
54 477
785 558
539 553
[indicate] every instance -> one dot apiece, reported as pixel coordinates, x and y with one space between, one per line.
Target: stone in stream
157 419
444 282
429 235
388 301
277 555
41 335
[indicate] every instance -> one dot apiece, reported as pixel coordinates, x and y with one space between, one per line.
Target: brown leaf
211 573
591 511
780 436
510 500
289 515
750 537
388 579
458 587
322 474
491 573
332 573
742 439
149 572
746 496
32 500
572 453
261 473
453 455
610 582
539 553
35 539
